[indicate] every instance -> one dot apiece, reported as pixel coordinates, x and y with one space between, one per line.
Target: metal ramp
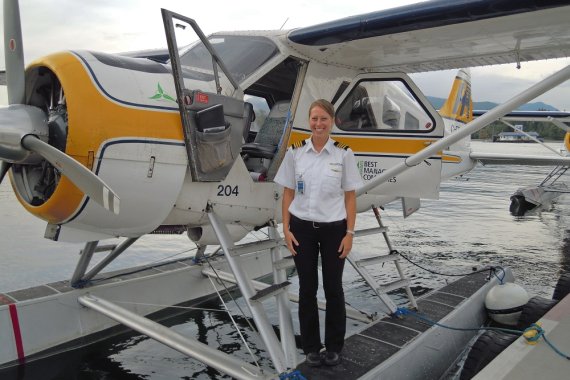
361 265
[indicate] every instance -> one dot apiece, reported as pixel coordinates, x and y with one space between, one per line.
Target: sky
118 26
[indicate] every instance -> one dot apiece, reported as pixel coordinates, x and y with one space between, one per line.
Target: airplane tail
458 108
456 112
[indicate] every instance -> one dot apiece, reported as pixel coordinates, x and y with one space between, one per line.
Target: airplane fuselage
119 117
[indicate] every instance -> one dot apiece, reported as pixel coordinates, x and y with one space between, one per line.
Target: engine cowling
118 117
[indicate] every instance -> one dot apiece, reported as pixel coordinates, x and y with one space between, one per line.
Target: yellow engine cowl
118 117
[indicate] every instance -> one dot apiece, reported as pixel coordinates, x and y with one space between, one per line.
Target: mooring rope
532 334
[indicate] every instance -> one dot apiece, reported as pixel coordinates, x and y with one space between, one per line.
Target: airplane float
102 146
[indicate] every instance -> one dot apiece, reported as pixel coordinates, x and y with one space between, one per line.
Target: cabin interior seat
258 154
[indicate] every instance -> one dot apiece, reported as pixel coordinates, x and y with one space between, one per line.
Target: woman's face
320 122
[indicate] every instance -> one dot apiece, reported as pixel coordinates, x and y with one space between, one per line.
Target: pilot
320 177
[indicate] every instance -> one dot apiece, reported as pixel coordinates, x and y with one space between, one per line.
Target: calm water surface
468 226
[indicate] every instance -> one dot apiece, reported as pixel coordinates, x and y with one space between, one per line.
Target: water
468 226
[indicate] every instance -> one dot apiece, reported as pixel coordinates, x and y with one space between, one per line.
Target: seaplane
103 146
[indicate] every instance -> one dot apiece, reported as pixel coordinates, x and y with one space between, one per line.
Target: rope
492 269
235 324
220 281
367 315
294 375
169 306
532 334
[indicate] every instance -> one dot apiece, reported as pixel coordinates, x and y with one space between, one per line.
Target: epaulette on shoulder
299 144
341 145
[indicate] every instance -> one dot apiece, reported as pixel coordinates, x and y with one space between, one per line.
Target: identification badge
300 186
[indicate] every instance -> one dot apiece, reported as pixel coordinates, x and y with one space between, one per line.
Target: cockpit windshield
242 55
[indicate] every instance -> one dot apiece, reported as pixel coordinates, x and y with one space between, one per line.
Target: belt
318 224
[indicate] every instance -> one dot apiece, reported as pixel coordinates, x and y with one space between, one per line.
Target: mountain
437 103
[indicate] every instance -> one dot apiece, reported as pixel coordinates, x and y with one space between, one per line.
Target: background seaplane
552 186
103 146
460 158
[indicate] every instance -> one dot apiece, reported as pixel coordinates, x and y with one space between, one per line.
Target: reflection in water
565 253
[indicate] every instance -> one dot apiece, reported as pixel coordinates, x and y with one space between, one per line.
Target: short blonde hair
325 105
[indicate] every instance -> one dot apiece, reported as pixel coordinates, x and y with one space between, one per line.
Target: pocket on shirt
332 182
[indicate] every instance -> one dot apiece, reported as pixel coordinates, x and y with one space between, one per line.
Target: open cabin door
210 103
385 119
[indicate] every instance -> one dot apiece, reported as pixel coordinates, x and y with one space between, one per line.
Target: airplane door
211 106
385 119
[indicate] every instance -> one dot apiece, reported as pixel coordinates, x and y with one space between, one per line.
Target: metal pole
83 263
199 351
262 322
107 260
285 318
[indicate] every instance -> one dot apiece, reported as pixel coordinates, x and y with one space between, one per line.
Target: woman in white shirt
320 177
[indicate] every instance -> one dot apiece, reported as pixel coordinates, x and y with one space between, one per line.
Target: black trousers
324 238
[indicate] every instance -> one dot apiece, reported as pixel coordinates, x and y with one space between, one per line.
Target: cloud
128 25
500 83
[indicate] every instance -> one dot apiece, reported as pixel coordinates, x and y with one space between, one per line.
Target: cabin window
382 105
390 113
261 110
412 122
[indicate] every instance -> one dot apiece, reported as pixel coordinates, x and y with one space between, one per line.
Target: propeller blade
82 177
4 167
14 53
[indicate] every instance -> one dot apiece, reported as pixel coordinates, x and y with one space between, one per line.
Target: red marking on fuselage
17 333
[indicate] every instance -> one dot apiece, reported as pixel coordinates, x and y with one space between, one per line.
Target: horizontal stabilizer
518 159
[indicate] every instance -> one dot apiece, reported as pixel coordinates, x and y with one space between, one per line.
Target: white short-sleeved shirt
324 176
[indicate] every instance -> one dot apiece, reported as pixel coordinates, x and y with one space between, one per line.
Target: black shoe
314 359
332 358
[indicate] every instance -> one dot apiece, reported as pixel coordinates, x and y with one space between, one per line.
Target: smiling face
320 123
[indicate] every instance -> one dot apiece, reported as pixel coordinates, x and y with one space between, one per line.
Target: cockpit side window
241 54
382 105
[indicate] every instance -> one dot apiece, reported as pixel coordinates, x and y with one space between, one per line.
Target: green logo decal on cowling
161 95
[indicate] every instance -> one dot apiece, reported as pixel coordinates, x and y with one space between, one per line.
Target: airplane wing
441 34
518 159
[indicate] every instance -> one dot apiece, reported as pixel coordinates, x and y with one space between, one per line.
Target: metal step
370 231
385 288
376 260
255 246
258 285
270 291
285 263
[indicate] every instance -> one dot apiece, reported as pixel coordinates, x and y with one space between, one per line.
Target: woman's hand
345 246
291 242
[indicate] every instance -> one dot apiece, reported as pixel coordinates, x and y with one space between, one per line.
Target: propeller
82 177
4 167
14 53
24 128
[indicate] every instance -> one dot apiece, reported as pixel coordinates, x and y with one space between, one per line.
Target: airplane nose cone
16 122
